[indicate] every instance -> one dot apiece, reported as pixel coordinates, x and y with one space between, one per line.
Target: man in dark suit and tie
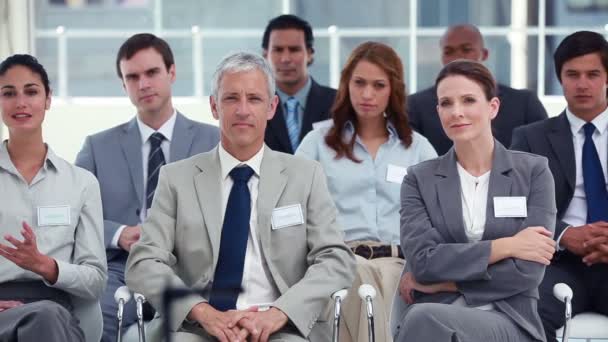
517 107
576 144
126 159
288 46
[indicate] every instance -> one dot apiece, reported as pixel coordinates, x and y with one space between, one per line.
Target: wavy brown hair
342 111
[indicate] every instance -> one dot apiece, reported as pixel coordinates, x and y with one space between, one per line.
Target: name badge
395 174
287 216
54 215
510 207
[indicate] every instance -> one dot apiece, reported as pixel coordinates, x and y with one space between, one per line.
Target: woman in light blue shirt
52 258
365 150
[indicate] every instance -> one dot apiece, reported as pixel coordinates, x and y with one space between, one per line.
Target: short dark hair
473 71
289 21
578 44
29 62
140 42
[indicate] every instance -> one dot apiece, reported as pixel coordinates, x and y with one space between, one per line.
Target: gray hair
239 62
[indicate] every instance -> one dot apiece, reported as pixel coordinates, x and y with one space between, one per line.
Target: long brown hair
342 111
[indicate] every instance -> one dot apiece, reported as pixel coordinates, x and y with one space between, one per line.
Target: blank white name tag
510 207
54 215
395 174
287 216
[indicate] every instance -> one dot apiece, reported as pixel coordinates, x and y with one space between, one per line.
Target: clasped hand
238 325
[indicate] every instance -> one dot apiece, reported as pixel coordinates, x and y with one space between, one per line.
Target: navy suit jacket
517 108
552 138
318 105
114 157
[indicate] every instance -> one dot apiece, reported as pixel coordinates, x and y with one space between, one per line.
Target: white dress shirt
145 132
258 288
576 213
474 195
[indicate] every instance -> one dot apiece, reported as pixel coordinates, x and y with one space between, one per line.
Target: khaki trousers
383 274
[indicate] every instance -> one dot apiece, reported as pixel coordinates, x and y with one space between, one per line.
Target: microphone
122 297
367 293
338 297
140 300
562 292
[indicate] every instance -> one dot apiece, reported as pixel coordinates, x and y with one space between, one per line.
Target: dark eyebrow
8 87
32 85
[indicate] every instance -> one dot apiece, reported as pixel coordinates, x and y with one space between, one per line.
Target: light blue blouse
367 194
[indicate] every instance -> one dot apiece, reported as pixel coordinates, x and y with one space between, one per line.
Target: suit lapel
271 186
130 141
208 186
313 112
448 192
182 138
560 137
500 185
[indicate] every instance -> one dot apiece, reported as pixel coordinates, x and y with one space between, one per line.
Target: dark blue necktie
156 159
235 232
595 183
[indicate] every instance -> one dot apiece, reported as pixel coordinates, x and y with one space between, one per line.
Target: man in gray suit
517 106
126 158
254 229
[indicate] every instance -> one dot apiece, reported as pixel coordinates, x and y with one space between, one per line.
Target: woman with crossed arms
474 227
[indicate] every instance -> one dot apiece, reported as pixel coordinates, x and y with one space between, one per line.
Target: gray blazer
114 157
436 247
180 240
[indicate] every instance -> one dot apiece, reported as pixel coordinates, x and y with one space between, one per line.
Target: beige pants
383 274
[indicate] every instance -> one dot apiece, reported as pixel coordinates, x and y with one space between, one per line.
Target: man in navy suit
576 144
126 159
517 107
288 46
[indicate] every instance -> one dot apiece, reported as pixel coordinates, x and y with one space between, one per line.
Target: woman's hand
532 244
26 255
408 284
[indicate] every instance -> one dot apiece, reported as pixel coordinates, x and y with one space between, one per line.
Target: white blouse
474 196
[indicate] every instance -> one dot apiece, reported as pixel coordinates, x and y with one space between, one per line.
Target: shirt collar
392 130
301 95
228 162
166 129
51 160
576 124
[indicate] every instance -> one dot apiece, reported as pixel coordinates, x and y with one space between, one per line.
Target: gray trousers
43 320
451 323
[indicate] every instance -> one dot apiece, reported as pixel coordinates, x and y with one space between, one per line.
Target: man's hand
9 304
597 251
408 284
128 237
582 240
533 244
219 324
262 324
26 255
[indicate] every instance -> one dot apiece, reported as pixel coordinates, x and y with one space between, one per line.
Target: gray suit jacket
437 249
114 157
180 240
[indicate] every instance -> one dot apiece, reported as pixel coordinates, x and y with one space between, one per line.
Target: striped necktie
156 159
293 128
